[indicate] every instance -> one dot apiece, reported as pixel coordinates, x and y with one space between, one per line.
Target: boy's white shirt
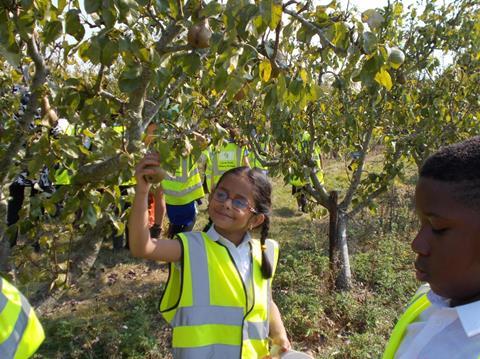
443 332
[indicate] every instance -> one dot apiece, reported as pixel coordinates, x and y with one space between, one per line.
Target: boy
443 319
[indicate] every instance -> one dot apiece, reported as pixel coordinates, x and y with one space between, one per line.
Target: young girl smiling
218 297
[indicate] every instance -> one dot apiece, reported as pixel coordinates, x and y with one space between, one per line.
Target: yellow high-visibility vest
417 306
186 186
230 156
205 302
20 330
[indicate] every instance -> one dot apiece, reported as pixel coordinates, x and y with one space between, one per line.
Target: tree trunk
4 242
332 232
344 278
4 255
84 254
85 250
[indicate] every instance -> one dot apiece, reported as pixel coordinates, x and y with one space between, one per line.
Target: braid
208 225
267 269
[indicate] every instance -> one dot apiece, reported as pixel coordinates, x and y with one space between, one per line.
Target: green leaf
52 31
265 70
133 71
25 23
92 5
109 52
61 5
174 10
213 8
305 34
168 158
90 51
270 12
73 26
13 57
341 39
369 42
109 16
384 79
191 63
220 82
128 85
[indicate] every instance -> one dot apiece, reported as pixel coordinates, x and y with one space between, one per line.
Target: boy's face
448 242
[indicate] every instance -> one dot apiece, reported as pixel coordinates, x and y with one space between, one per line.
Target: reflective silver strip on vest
255 330
187 316
216 170
3 298
8 348
270 252
215 351
185 174
199 269
182 193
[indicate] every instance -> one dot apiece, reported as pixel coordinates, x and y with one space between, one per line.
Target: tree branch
257 149
358 171
310 26
318 190
25 121
377 192
111 96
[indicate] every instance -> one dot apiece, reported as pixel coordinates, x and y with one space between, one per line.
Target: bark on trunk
344 279
85 252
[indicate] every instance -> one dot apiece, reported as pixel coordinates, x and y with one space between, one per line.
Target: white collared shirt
442 332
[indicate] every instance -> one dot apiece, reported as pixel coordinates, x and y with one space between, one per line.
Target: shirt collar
216 237
469 314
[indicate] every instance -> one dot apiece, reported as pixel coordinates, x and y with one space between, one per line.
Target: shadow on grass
116 320
285 212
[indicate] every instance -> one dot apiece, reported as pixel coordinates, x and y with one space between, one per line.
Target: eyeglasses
237 203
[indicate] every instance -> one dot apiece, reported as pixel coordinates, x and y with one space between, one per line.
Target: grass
114 313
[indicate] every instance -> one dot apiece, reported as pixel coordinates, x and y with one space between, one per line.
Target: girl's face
231 207
448 243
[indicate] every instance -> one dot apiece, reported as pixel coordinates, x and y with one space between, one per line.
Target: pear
156 177
199 35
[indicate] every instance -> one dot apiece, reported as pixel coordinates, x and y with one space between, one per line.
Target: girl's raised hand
147 168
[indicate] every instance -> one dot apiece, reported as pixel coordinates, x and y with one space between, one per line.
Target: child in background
218 296
443 319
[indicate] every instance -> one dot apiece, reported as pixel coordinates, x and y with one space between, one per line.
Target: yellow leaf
276 16
384 79
304 75
265 70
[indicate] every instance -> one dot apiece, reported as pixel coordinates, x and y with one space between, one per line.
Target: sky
371 4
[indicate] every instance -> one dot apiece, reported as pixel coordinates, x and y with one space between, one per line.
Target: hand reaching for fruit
149 171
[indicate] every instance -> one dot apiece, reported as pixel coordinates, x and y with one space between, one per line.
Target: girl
442 321
218 296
